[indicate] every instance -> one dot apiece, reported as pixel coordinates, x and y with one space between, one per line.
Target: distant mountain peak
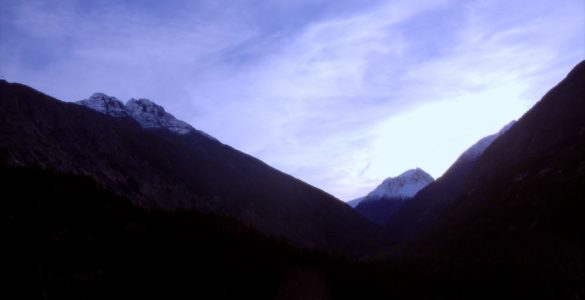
403 186
106 104
158 169
146 112
416 172
382 203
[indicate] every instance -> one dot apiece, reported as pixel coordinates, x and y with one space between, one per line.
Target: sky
341 94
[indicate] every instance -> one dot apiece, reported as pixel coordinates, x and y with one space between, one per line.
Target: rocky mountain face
103 103
507 225
383 202
147 113
404 186
140 152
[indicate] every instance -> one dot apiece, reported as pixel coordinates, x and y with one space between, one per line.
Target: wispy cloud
351 92
338 94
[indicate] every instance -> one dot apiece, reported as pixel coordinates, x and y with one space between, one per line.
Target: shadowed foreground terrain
156 168
69 239
512 229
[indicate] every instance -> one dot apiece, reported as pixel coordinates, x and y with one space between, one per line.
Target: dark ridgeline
423 210
430 202
513 229
519 209
524 203
160 169
66 237
381 211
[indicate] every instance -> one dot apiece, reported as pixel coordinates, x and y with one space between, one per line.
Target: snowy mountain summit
147 113
105 104
404 186
380 205
152 115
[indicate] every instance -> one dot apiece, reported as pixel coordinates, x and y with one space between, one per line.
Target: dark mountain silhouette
157 168
526 195
65 237
69 238
523 203
380 212
76 226
429 203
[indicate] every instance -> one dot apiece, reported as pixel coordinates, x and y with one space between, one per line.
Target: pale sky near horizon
340 94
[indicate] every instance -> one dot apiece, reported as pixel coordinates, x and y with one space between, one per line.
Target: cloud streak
337 94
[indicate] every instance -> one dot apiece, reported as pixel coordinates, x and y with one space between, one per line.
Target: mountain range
147 113
518 208
434 198
394 192
110 200
140 152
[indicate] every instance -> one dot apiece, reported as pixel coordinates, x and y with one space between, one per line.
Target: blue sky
340 94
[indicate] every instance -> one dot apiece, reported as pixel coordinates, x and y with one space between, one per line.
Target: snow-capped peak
404 186
152 115
105 104
475 151
147 113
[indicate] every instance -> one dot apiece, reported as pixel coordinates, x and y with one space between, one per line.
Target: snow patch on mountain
105 104
404 186
401 187
147 113
152 115
475 151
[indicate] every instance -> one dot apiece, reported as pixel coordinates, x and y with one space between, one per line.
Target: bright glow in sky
340 94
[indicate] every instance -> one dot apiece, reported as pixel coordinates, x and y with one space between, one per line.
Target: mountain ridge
476 150
405 185
432 200
144 111
513 230
155 167
522 203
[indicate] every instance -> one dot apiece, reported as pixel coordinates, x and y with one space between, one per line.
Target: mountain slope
541 169
423 210
353 203
524 201
147 113
68 238
474 152
155 167
380 205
